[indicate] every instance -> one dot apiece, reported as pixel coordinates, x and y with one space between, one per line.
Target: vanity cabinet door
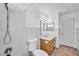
51 46
44 45
47 45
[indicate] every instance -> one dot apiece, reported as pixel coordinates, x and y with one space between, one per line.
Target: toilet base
38 52
30 53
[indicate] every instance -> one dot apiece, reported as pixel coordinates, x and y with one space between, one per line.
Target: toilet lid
39 53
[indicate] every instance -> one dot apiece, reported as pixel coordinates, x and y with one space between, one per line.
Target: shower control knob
8 51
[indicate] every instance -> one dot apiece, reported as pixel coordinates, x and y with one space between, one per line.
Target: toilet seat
39 52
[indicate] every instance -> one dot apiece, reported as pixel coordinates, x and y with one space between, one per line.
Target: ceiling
50 9
58 6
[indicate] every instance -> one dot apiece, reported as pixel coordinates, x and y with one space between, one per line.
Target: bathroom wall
17 32
25 25
33 17
77 30
33 24
17 24
2 26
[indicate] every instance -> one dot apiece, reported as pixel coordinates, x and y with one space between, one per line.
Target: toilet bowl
39 52
32 48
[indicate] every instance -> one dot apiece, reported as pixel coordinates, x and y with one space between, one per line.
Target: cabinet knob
46 42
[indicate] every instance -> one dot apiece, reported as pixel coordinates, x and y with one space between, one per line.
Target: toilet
33 50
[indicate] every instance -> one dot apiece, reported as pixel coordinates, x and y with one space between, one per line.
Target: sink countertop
48 38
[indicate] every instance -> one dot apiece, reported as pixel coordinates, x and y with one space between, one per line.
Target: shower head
6 5
7 31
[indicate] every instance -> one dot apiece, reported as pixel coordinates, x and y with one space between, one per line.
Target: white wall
2 27
33 17
33 24
25 25
77 29
17 24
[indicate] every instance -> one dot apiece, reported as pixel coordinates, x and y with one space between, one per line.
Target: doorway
67 28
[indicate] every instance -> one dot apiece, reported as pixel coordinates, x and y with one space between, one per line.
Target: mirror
48 26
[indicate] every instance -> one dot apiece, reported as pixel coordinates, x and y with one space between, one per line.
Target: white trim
75 31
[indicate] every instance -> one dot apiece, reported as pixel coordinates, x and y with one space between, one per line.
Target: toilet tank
32 44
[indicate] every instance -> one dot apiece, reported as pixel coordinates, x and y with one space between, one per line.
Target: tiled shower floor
65 51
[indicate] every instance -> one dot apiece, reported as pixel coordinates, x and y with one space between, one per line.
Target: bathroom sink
48 36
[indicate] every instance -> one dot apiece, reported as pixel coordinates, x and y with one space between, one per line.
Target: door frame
76 11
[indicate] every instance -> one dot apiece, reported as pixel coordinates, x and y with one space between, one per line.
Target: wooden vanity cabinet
47 45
